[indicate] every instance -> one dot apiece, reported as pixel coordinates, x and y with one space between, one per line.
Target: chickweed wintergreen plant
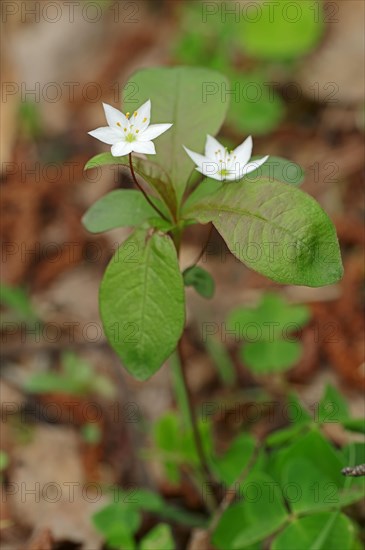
142 298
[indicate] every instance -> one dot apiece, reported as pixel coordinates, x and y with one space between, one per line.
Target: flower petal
212 146
232 176
114 117
106 135
146 147
141 117
121 148
251 166
153 131
243 151
214 176
196 157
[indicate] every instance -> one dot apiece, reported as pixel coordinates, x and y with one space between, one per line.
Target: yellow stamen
119 124
127 115
137 131
135 113
144 120
125 129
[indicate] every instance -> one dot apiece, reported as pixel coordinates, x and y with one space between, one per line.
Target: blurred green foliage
268 333
76 377
249 43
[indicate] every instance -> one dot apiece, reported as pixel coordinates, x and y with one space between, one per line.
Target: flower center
130 137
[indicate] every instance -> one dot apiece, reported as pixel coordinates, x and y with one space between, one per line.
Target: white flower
127 133
220 164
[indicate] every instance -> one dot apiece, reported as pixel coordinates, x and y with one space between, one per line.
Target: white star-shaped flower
129 132
223 165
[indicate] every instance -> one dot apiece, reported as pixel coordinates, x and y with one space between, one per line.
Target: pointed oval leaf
119 208
151 172
200 279
276 230
142 302
190 98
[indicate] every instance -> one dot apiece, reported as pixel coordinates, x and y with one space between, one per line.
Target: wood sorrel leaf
194 99
254 517
269 357
159 538
142 302
275 229
119 208
319 531
314 466
152 173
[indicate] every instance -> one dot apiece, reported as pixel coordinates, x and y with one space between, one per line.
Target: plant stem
143 191
189 406
208 477
204 247
231 493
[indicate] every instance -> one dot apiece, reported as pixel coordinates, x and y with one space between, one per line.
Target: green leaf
188 447
179 389
143 499
149 171
234 461
254 108
4 460
317 532
275 229
118 523
200 279
142 302
105 159
281 437
332 407
46 382
272 319
260 514
77 377
221 360
270 357
16 298
282 31
296 412
354 425
190 98
166 435
309 472
120 208
279 169
354 453
205 188
91 433
159 538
